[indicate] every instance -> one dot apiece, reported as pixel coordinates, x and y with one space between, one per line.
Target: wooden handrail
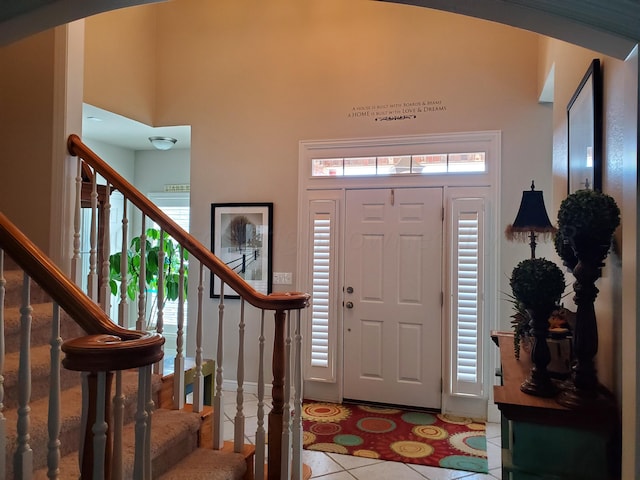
146 346
276 301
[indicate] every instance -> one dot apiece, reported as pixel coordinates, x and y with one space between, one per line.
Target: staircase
112 402
176 435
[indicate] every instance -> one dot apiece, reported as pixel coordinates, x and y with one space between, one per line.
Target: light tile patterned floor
331 466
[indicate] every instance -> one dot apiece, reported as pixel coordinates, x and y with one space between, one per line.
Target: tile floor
331 466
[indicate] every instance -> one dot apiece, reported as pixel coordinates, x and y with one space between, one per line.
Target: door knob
349 305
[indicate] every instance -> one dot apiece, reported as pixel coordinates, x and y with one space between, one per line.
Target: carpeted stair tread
40 372
205 464
13 288
70 410
41 317
174 434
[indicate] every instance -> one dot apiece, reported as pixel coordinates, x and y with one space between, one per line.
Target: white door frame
332 189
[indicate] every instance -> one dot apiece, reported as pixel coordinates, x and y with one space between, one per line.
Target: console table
544 440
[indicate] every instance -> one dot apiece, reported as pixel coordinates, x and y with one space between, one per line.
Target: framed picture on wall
584 115
241 236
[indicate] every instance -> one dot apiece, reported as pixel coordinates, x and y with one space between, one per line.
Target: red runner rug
397 435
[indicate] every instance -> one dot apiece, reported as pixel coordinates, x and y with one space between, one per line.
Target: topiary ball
537 283
588 217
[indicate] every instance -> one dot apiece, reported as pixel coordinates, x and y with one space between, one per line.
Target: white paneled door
392 296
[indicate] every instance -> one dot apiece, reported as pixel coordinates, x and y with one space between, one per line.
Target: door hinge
441 299
441 385
442 214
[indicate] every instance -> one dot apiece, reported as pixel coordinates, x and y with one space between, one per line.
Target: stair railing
284 428
106 348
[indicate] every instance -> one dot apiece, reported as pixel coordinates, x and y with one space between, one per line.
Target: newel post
277 394
99 408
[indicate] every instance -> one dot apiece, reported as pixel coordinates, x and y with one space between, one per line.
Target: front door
392 296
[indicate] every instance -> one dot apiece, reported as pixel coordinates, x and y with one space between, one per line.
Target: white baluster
238 438
198 380
178 364
105 288
53 455
218 406
99 429
161 293
260 432
123 306
140 461
285 473
296 467
141 323
3 420
158 367
23 458
77 214
92 284
123 312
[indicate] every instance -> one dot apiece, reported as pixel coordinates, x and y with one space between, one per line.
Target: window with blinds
467 295
323 310
176 206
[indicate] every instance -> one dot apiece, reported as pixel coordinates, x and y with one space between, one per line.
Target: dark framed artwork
584 115
241 236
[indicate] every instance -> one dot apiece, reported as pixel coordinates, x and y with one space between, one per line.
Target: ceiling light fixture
163 143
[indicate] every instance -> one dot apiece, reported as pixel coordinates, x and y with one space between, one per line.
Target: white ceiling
114 129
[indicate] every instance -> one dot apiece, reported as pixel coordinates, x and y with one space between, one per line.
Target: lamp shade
532 214
532 219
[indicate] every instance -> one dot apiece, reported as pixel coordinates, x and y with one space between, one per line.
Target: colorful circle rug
397 435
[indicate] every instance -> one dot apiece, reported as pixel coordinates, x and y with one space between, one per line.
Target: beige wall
26 118
256 82
120 69
253 80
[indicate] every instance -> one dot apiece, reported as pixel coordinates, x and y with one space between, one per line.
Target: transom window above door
424 164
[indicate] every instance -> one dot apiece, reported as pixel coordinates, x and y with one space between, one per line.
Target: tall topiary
587 220
538 284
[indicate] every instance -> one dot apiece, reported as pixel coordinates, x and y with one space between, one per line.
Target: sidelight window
323 306
467 295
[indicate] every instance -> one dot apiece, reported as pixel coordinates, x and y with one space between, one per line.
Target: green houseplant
170 267
520 321
537 285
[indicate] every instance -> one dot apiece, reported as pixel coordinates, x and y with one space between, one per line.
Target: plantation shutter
322 335
467 295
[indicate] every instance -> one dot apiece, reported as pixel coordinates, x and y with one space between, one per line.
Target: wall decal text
389 112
